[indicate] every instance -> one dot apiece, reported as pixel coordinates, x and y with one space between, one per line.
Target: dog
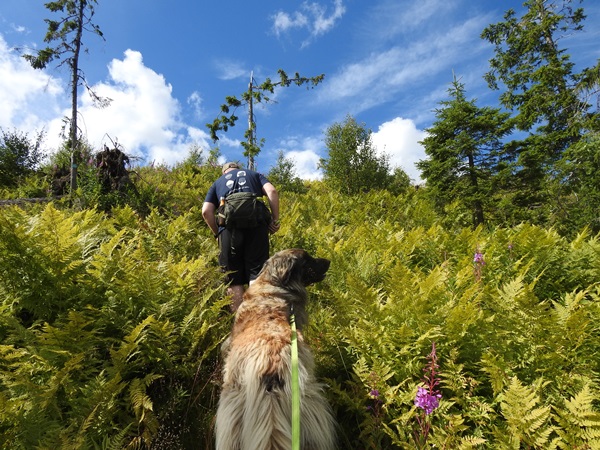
255 405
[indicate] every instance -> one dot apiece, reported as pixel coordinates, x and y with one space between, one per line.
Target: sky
168 66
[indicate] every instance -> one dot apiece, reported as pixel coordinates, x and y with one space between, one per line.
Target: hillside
111 321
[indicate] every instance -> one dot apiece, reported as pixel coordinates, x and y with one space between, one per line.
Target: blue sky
168 66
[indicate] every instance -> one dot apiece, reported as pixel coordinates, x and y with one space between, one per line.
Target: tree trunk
477 206
75 156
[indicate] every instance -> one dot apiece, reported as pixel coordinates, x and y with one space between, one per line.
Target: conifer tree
540 87
465 149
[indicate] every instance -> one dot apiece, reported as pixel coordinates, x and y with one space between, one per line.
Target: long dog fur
255 405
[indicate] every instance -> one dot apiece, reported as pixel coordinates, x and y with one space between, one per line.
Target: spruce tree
465 151
539 86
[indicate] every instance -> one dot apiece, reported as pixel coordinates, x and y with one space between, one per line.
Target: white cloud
18 28
283 22
226 141
314 17
305 154
305 164
195 101
143 115
382 76
231 70
322 23
399 138
29 97
394 18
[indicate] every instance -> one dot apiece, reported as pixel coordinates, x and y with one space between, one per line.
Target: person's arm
273 196
208 213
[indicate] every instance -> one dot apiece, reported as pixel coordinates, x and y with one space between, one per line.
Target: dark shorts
243 251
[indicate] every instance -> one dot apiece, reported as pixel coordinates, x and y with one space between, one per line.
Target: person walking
243 249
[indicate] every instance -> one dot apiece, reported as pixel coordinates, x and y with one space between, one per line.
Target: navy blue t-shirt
238 180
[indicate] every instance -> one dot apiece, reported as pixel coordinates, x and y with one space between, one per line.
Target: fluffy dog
255 407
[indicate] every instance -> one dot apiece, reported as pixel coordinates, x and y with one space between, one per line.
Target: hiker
241 223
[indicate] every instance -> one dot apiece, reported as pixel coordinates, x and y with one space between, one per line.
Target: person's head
230 165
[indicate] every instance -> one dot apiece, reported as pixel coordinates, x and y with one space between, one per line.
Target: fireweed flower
375 408
478 258
428 396
478 263
427 401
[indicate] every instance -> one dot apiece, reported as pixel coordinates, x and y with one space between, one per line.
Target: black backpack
242 210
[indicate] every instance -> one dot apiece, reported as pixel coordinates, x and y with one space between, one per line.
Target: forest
460 313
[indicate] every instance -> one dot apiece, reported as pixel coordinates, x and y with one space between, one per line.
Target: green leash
295 386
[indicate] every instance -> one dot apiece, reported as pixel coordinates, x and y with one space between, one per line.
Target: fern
578 421
525 422
111 323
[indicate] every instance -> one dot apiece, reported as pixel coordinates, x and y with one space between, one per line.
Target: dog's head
293 267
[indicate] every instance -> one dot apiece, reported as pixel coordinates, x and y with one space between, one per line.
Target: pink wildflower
426 401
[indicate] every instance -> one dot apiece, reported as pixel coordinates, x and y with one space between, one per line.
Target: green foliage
400 182
526 423
549 101
577 186
19 156
112 310
62 30
464 149
578 421
537 73
110 337
255 94
111 324
522 321
66 34
283 176
352 165
174 190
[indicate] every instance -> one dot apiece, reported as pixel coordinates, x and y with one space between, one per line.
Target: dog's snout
315 270
326 263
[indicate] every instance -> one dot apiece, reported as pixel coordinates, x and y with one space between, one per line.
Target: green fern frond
143 407
579 422
574 320
525 422
130 345
470 442
451 432
140 401
115 442
497 370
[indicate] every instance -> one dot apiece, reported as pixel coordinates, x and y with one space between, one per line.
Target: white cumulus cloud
143 116
305 164
29 97
305 153
399 138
